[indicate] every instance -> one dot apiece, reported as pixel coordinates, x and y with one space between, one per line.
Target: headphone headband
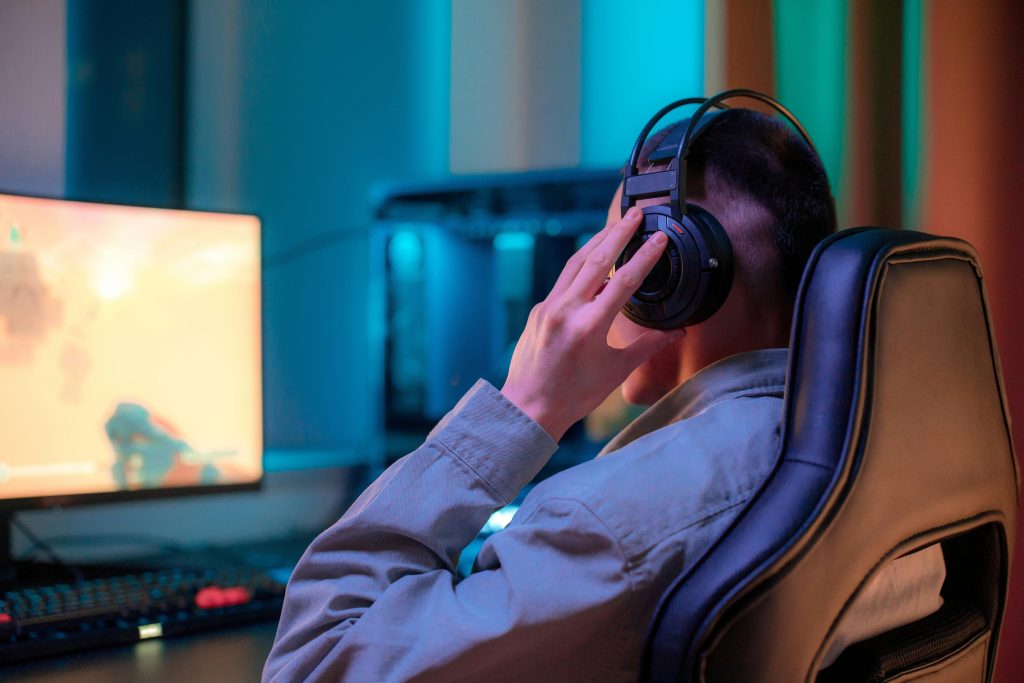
716 100
673 181
631 169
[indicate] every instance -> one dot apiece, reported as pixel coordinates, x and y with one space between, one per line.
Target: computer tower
458 266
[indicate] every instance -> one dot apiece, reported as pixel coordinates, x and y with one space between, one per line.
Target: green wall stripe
811 38
913 123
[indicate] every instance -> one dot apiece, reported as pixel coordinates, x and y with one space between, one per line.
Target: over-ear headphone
694 275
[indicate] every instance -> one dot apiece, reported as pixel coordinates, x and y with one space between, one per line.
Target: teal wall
125 133
295 115
636 57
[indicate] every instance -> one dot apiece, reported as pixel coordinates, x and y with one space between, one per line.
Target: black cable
47 550
313 244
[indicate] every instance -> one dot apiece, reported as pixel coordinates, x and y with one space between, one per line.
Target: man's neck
708 343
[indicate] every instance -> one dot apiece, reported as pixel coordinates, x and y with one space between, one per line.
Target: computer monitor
130 361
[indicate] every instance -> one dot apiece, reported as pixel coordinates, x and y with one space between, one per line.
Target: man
566 591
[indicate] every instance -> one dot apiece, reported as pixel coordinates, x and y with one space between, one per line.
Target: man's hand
563 367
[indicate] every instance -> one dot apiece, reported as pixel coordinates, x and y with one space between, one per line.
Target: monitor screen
129 349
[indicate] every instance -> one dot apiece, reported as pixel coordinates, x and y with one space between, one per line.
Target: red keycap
235 595
209 597
5 618
214 596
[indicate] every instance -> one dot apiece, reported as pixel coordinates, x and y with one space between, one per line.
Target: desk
212 657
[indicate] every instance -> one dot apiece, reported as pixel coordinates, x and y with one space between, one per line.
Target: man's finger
600 261
630 276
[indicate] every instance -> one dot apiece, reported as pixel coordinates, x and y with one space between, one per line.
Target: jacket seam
726 505
445 448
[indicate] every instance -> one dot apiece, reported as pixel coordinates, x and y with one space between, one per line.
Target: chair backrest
896 436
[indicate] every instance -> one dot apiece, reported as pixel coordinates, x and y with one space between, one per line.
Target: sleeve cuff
495 439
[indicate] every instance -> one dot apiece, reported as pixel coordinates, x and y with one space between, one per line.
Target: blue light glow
405 251
514 241
500 519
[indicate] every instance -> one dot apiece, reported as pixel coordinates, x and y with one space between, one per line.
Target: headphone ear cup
693 277
716 262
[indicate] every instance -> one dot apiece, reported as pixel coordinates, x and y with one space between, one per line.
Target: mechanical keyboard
59 618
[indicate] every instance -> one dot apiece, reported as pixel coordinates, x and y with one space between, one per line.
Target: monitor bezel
57 501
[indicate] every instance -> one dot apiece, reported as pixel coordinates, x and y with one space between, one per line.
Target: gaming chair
896 436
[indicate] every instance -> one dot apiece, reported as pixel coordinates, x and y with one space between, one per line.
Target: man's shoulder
681 479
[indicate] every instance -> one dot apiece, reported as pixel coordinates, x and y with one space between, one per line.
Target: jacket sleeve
376 597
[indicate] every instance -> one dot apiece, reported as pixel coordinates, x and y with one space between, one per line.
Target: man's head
769 191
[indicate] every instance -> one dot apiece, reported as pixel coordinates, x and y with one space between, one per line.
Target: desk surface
214 656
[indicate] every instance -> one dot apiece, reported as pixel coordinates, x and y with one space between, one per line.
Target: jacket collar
752 373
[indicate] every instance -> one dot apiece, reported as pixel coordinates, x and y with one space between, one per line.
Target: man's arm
375 598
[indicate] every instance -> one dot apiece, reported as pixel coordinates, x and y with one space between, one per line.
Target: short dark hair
762 157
